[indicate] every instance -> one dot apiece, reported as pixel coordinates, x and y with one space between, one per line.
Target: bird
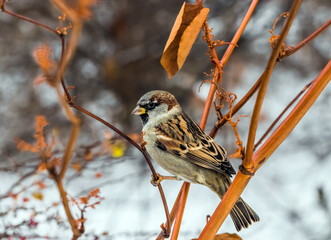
182 148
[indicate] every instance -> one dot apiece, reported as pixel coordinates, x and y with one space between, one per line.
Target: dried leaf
118 149
41 184
83 200
225 236
24 146
88 155
77 167
95 192
40 145
43 57
98 174
12 195
183 34
41 123
38 195
136 137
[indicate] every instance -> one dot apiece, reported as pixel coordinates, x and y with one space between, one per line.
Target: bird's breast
175 165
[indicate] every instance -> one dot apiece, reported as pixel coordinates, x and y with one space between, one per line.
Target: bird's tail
241 214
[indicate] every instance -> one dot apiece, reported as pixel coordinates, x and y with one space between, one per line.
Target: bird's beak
139 110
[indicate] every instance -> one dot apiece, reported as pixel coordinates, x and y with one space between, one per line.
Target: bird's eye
150 105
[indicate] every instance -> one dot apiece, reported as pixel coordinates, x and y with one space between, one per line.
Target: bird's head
155 105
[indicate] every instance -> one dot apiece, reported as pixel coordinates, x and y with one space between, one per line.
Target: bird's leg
160 178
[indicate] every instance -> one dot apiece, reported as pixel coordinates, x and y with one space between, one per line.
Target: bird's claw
156 182
160 178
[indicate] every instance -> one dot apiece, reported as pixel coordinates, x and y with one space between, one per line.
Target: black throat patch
144 118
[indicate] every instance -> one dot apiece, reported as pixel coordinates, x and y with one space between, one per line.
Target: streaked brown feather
184 138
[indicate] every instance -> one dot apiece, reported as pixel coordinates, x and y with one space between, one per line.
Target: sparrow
183 149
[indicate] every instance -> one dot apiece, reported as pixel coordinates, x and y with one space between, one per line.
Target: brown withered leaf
41 123
43 56
183 34
225 236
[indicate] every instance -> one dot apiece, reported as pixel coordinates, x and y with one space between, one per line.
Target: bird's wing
183 138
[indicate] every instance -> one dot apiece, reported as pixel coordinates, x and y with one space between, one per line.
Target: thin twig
184 190
29 20
282 114
286 127
306 40
72 222
20 180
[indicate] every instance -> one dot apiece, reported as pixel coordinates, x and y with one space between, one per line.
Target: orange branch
238 34
241 180
180 212
266 150
247 163
173 213
223 209
282 114
280 134
73 225
209 100
73 135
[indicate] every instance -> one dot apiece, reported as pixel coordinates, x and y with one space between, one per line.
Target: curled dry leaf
227 236
183 34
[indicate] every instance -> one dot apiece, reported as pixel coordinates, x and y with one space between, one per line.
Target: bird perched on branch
182 148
